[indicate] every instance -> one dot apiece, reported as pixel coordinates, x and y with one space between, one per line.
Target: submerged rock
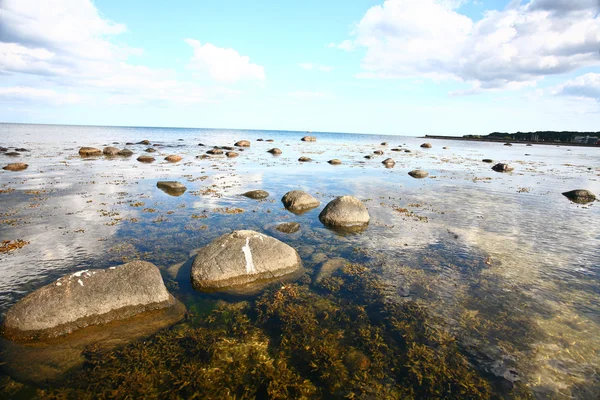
172 188
242 143
89 297
299 200
580 196
22 150
125 153
256 194
329 267
345 212
335 161
288 227
110 151
419 174
274 151
501 167
242 257
304 159
145 159
16 167
173 158
144 142
309 139
388 162
89 151
150 150
426 145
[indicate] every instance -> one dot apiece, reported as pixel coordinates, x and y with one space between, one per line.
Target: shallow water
510 265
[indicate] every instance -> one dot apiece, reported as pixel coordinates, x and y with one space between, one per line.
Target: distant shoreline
509 141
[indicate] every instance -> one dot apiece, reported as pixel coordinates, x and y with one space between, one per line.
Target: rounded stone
89 151
378 152
288 227
345 212
335 161
384 143
299 200
89 297
172 188
304 159
16 166
256 194
12 154
388 162
145 142
309 139
173 158
580 196
151 150
419 174
274 151
240 258
125 153
215 152
508 144
145 159
110 151
426 145
501 167
242 143
232 154
487 160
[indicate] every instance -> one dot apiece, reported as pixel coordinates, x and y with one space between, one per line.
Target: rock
157 145
329 267
345 212
243 143
145 159
12 154
418 174
274 151
129 144
269 140
529 145
203 156
288 227
22 150
110 151
368 157
173 158
232 154
580 196
396 149
309 139
125 153
426 145
508 144
384 143
407 151
227 148
151 150
335 161
445 148
145 142
487 160
259 140
298 201
304 159
172 188
16 167
256 194
3 149
215 152
388 162
89 297
242 257
378 152
89 151
501 167
201 144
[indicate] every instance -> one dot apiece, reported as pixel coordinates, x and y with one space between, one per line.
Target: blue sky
406 67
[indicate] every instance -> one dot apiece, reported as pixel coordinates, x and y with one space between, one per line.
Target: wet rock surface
145 159
299 200
172 188
256 194
173 158
110 151
345 212
242 257
274 151
89 152
15 167
309 139
580 196
418 174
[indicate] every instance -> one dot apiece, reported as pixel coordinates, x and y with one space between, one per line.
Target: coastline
508 141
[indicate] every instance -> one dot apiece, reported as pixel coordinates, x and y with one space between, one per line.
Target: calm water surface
510 265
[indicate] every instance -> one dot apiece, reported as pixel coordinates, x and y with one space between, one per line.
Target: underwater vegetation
342 338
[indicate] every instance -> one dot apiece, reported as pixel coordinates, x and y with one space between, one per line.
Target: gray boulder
256 194
580 196
172 188
89 297
299 200
345 212
419 174
242 257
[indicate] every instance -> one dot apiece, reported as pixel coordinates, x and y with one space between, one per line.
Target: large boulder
16 166
89 297
89 152
309 139
110 151
345 212
580 196
298 201
242 257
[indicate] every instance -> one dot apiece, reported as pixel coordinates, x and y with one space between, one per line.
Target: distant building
586 139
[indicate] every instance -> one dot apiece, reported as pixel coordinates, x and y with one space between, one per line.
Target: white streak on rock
80 282
248 254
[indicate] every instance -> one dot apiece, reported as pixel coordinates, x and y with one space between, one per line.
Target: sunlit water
510 264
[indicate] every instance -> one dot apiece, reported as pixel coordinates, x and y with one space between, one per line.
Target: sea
504 264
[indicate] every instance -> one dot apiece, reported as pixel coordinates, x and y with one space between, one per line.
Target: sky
405 67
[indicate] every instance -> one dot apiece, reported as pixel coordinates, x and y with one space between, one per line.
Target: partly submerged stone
309 139
172 188
304 159
335 161
215 152
345 212
89 297
110 151
150 150
426 145
274 151
378 152
16 166
145 159
501 167
240 258
145 142
487 160
580 196
173 158
125 153
299 200
242 143
89 151
232 154
256 194
419 174
388 162
288 227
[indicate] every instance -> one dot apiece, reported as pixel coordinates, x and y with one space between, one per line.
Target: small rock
151 150
445 148
529 144
298 201
378 152
22 150
89 151
309 139
329 267
172 188
384 143
345 212
110 151
232 154
215 151
145 142
227 148
243 143
396 149
201 144
487 160
508 144
368 157
145 159
580 196
256 194
388 162
173 158
288 227
259 140
304 159
407 151
3 149
12 154
16 167
125 153
335 161
418 174
274 151
426 145
129 144
501 167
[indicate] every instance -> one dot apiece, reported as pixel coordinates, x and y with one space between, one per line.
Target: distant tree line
539 136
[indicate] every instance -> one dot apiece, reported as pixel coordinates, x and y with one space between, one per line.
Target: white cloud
347 45
310 67
311 95
584 86
505 49
48 96
226 65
